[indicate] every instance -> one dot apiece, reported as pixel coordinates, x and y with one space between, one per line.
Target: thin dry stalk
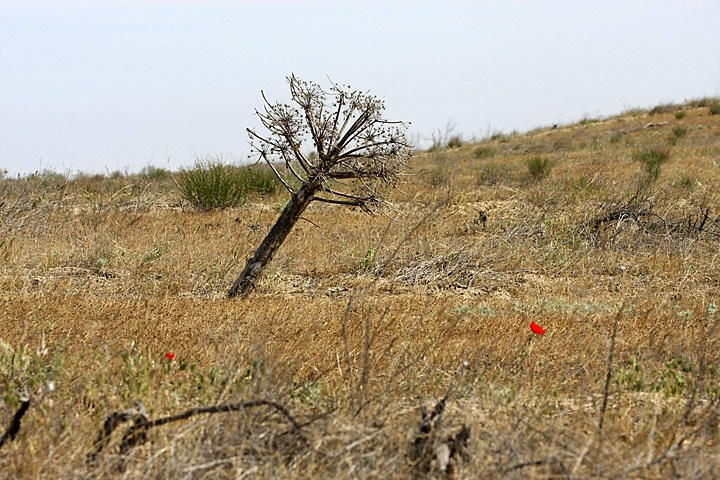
606 389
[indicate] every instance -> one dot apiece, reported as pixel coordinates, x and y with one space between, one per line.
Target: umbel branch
357 154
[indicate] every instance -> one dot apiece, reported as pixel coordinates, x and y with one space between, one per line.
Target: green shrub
679 132
455 141
680 115
499 137
664 108
259 179
154 174
715 109
539 167
616 137
702 102
482 151
652 160
210 185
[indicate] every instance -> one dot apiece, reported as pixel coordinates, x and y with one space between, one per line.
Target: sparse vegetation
616 137
482 151
679 132
489 174
703 102
686 180
652 160
375 348
539 166
664 108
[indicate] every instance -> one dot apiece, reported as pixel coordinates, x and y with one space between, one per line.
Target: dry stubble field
360 322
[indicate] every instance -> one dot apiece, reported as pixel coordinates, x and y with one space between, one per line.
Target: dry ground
360 321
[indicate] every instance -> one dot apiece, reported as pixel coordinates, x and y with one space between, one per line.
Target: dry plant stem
670 451
606 389
357 152
262 256
369 335
351 375
14 427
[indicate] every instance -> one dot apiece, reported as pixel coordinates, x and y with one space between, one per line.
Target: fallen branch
14 426
136 434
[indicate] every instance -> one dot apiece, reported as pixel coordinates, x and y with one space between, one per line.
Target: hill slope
359 320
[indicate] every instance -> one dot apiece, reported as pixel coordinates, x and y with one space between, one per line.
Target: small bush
539 167
588 121
703 102
482 151
210 185
679 132
652 160
259 180
616 137
455 141
680 115
52 179
154 174
664 108
715 109
499 137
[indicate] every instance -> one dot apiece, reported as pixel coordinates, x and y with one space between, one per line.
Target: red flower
536 328
170 356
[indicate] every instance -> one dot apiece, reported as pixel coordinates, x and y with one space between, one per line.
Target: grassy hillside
606 233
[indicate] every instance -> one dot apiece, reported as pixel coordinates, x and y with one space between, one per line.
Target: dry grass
359 322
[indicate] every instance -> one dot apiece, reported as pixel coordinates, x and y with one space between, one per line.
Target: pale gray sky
96 86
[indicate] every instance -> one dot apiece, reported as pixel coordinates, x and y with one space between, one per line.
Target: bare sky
98 86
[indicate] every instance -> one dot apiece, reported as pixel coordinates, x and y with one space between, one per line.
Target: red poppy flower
536 328
170 356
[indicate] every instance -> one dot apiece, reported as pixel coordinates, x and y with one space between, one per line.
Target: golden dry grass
358 320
